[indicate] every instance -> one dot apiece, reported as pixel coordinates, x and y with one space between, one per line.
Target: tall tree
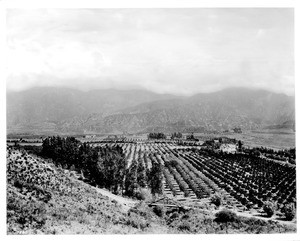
141 173
156 178
131 179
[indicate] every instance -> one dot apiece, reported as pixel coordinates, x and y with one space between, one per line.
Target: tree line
158 135
103 166
176 135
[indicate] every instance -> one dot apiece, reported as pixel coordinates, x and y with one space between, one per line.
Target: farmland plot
250 180
246 182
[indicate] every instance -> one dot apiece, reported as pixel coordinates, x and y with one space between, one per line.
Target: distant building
115 138
228 148
112 137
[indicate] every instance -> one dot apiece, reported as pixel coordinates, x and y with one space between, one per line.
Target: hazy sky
180 51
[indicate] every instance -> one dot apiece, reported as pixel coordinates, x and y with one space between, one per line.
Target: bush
216 199
26 212
184 226
143 194
174 216
159 210
225 216
135 221
269 208
289 211
72 168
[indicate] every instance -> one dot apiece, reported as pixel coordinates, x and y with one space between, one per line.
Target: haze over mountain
164 50
50 110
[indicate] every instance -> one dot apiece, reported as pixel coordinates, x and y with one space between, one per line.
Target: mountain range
53 110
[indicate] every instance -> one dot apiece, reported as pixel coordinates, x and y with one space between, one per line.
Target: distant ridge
64 110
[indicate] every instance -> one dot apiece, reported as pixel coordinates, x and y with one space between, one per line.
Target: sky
178 51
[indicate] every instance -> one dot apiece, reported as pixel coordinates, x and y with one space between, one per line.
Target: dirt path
258 216
125 202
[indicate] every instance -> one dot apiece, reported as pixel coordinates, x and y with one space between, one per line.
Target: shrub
159 210
225 216
72 168
143 194
269 208
289 211
26 212
136 222
216 199
174 216
184 226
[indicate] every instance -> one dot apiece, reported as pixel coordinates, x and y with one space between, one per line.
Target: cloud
181 51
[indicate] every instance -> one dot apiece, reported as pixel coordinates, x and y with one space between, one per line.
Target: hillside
53 110
44 199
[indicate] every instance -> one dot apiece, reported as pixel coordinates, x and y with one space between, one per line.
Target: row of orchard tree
102 166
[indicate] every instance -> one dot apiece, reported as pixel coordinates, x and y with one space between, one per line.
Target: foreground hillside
44 199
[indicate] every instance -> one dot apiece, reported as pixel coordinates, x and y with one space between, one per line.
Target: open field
275 139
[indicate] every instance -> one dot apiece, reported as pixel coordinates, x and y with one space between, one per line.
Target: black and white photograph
160 120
